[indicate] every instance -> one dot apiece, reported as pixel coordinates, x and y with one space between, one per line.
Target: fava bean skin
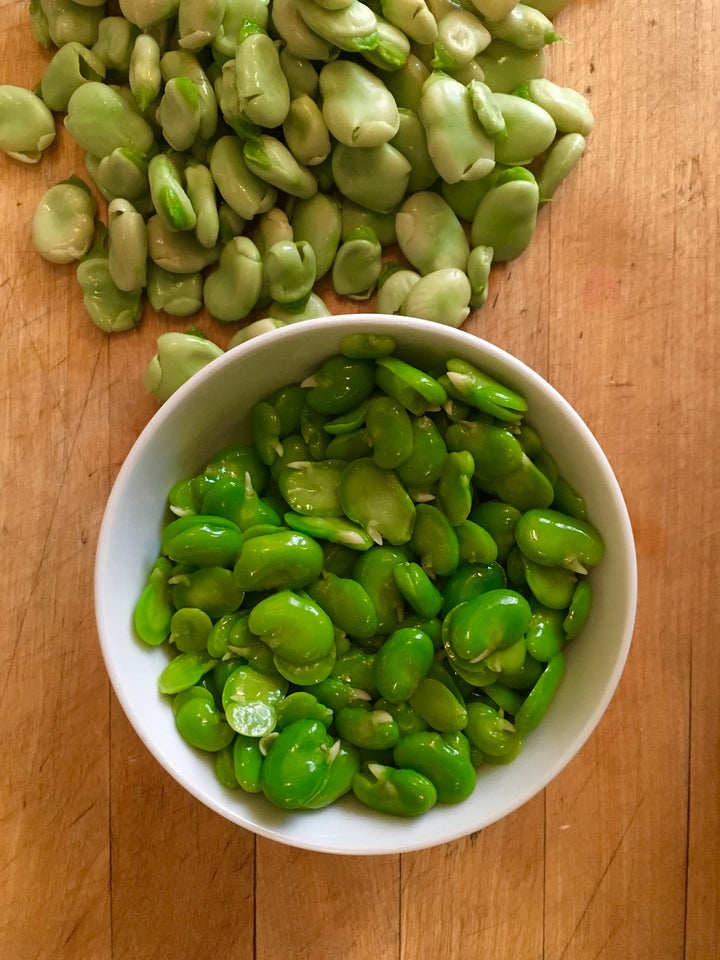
380 625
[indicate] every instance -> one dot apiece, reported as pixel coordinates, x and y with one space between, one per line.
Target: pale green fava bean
318 222
459 147
146 13
270 160
199 22
144 76
357 107
411 141
110 309
353 28
63 225
168 194
122 174
413 17
506 67
549 7
183 63
461 37
246 193
127 246
393 46
357 265
494 9
301 74
406 83
290 270
313 308
114 43
200 189
374 177
100 120
27 126
178 113
177 294
394 289
430 235
300 39
306 133
263 91
177 251
353 215
478 272
529 130
524 27
560 159
71 66
67 21
506 216
487 109
179 357
255 329
569 109
231 290
443 296
377 501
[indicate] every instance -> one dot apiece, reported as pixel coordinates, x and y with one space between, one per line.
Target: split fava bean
434 645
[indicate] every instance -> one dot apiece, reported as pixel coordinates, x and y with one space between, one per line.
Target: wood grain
104 857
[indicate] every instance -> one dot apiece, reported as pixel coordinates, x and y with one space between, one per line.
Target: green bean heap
247 149
373 596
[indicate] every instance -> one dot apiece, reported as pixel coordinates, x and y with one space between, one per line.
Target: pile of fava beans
245 150
374 595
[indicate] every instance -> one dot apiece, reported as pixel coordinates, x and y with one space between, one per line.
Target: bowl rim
244 352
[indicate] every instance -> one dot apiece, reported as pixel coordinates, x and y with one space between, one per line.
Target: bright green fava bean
442 761
399 792
438 706
375 499
347 603
296 765
579 609
339 385
202 541
344 764
489 731
418 589
154 610
367 729
483 392
374 569
556 540
100 120
27 127
203 726
434 541
212 589
294 627
424 465
63 224
184 671
286 560
492 621
390 431
538 701
402 662
179 357
250 700
247 763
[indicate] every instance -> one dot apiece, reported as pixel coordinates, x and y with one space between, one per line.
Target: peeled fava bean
375 593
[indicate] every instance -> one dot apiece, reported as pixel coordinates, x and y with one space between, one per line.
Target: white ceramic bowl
211 411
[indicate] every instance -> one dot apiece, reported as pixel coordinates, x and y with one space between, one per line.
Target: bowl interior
211 411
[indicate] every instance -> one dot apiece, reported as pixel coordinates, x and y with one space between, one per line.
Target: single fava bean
442 760
294 627
434 541
335 530
154 610
203 726
438 706
390 431
375 570
27 127
376 500
347 603
247 763
491 621
579 610
402 662
344 764
296 764
418 589
189 630
537 702
484 392
202 541
368 729
184 671
491 732
63 224
212 589
250 700
285 560
399 792
470 580
340 385
545 636
556 540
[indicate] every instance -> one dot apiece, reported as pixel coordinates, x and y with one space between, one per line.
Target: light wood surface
103 856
